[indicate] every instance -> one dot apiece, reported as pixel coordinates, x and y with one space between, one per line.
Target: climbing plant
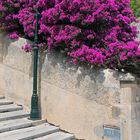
91 32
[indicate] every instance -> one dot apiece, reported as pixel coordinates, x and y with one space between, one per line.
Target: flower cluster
96 32
13 35
27 47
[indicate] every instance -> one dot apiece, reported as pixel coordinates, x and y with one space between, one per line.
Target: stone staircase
15 125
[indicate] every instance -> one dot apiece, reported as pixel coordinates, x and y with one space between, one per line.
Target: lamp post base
35 114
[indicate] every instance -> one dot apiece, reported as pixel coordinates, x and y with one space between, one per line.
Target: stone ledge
127 77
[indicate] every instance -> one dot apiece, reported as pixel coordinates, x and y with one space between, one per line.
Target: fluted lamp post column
35 113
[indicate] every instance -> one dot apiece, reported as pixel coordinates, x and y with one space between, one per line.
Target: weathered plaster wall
15 70
80 100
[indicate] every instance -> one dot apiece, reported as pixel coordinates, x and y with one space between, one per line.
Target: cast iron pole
34 100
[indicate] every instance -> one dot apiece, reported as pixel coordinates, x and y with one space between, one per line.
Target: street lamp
34 114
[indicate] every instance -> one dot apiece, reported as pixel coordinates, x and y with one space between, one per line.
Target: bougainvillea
95 32
27 47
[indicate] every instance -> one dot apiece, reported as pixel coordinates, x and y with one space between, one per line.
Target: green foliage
135 5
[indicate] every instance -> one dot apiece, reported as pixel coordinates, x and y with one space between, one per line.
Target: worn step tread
5 102
14 125
57 136
13 115
17 124
29 133
10 107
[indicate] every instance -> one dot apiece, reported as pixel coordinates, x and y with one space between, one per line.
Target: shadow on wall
90 82
4 43
56 58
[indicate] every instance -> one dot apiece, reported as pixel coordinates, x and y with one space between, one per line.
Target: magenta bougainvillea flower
27 47
13 35
96 32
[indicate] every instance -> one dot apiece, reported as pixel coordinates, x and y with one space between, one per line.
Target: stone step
10 107
13 115
5 102
57 136
17 124
14 125
2 97
29 133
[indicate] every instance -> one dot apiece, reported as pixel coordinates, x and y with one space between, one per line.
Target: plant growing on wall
93 32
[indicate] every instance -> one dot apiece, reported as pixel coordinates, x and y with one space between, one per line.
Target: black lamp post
34 114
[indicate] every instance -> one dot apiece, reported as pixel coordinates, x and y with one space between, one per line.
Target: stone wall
84 101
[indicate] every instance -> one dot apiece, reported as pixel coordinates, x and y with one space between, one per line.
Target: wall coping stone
127 77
